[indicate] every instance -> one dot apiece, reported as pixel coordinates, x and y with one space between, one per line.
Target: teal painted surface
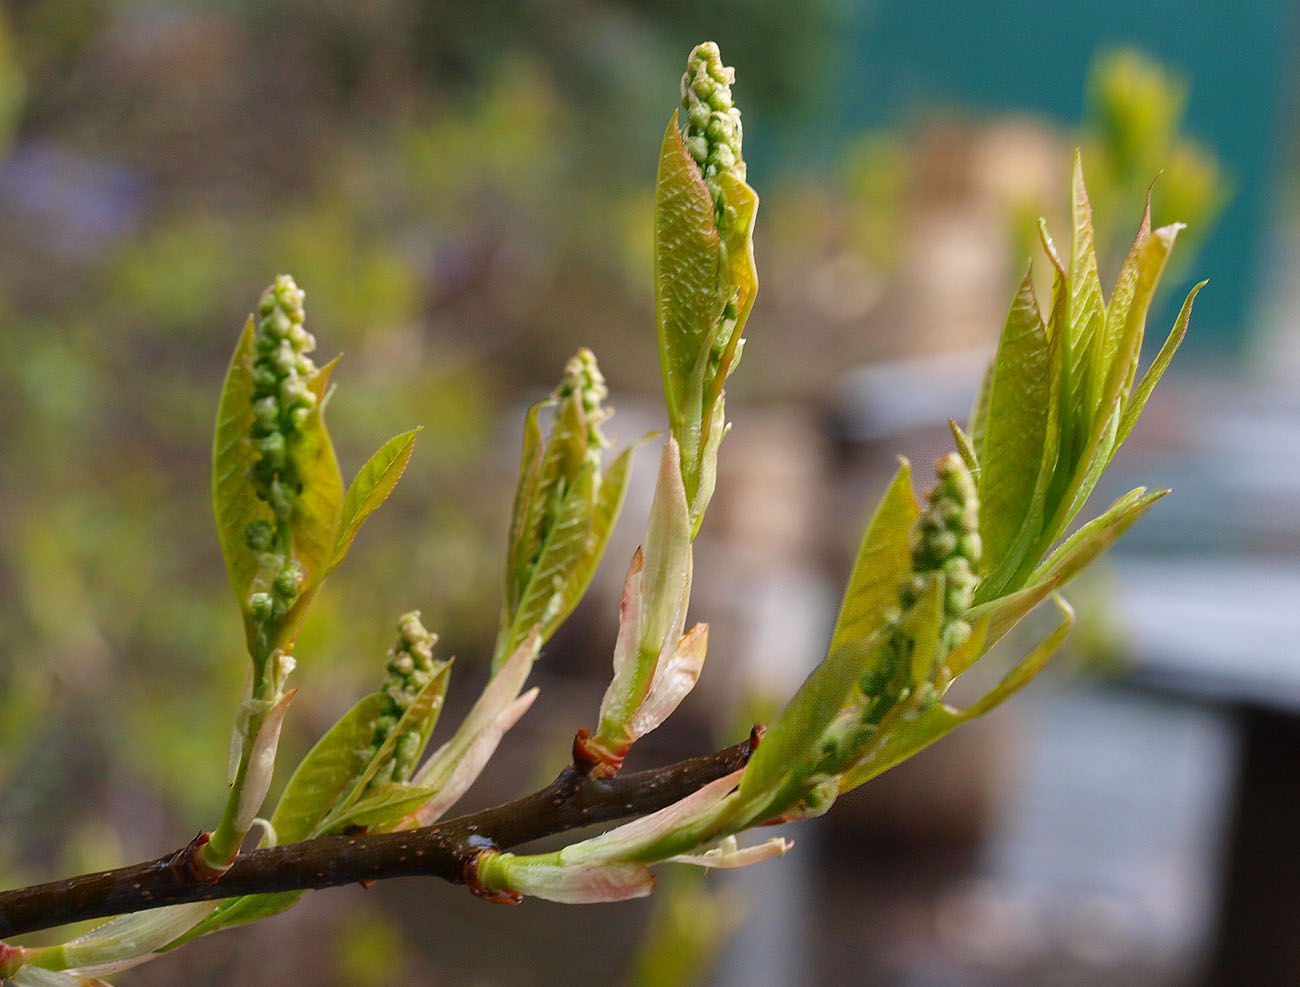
898 58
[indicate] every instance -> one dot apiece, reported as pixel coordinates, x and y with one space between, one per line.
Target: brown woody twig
442 850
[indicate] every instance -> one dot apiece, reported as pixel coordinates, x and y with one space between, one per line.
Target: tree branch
442 850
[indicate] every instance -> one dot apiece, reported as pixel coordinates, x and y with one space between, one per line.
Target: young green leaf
328 772
883 562
238 911
1121 304
1084 326
564 511
965 447
1004 612
608 505
1028 667
1082 547
544 602
1138 399
740 277
689 265
1021 437
234 454
789 748
521 548
419 717
371 488
977 421
316 511
383 807
1152 253
573 553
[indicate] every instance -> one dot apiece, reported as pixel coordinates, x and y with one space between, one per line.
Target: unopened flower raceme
945 539
713 136
410 668
712 130
945 545
583 377
282 401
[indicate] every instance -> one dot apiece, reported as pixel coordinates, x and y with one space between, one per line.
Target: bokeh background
464 191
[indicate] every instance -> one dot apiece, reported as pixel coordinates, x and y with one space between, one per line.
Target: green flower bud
288 583
404 754
944 546
267 412
258 536
402 666
282 402
712 132
956 634
409 669
945 540
274 449
383 776
582 376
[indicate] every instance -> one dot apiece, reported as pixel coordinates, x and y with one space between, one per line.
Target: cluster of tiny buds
282 402
945 544
583 377
410 668
945 539
726 328
712 129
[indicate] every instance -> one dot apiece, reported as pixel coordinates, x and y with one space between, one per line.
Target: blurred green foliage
12 84
689 927
1134 131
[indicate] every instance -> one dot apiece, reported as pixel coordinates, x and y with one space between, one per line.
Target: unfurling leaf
564 510
651 617
454 765
575 884
705 276
371 488
728 855
881 565
328 772
908 736
276 488
1020 440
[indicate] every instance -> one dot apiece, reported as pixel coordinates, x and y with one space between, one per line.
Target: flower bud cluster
713 137
410 668
945 545
945 539
583 377
712 129
282 402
